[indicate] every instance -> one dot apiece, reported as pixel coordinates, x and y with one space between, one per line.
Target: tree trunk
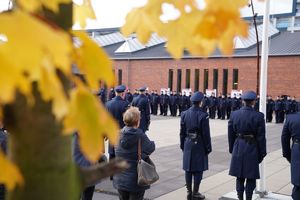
38 147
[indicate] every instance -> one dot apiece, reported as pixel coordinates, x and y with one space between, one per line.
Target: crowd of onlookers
173 103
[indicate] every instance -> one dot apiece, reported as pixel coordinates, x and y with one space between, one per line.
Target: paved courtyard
168 159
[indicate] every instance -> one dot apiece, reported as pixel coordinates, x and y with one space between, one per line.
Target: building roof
283 43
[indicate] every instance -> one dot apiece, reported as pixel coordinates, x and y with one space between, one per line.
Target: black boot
249 196
240 195
196 194
189 191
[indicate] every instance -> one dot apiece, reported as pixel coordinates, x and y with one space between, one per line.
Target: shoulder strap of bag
139 150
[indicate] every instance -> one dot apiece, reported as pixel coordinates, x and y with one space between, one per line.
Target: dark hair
249 102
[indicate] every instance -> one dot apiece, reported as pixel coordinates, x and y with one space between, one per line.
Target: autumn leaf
9 173
92 122
93 62
82 12
34 5
50 47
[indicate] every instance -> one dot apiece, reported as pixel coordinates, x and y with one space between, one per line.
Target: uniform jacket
128 150
117 106
111 95
246 156
142 102
270 105
235 104
288 105
213 101
195 152
291 130
128 97
278 106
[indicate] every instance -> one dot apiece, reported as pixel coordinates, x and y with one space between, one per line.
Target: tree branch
92 175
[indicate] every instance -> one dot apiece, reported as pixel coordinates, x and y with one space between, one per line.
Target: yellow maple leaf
82 12
51 88
93 62
91 120
36 46
9 173
34 5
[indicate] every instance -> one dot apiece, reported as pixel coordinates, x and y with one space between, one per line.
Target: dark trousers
296 193
250 186
219 113
197 177
269 116
155 108
223 113
125 195
151 108
161 108
180 109
228 113
2 192
165 109
212 112
277 116
88 193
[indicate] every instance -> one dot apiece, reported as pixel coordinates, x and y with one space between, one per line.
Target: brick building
136 65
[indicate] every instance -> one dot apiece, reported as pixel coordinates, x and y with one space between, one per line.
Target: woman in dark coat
126 182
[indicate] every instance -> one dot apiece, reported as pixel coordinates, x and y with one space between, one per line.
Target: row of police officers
247 145
246 139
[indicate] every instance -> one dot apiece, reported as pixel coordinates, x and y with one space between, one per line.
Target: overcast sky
112 13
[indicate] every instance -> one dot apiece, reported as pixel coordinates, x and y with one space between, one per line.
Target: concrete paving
168 159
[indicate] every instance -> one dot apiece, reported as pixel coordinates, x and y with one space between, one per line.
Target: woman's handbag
146 169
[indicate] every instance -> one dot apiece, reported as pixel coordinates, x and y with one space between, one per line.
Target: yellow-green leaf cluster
38 51
90 119
197 30
9 174
35 5
83 12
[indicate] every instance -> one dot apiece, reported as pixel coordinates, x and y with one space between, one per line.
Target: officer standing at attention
195 142
142 102
247 144
155 102
128 96
117 106
291 130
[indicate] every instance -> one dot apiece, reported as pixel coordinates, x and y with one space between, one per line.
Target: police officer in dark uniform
256 105
128 96
102 95
205 103
3 148
278 108
212 106
247 144
294 105
136 93
229 105
117 106
185 101
195 142
288 106
172 104
223 107
235 104
161 102
270 108
111 94
142 102
180 103
165 103
155 100
291 130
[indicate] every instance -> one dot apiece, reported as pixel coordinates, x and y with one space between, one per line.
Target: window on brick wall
235 79
179 75
225 81
197 78
205 80
170 82
188 78
120 77
215 79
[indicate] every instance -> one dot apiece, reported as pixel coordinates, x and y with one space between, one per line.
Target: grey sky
112 13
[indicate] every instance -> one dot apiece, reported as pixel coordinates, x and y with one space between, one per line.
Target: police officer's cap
197 97
120 88
249 95
142 89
